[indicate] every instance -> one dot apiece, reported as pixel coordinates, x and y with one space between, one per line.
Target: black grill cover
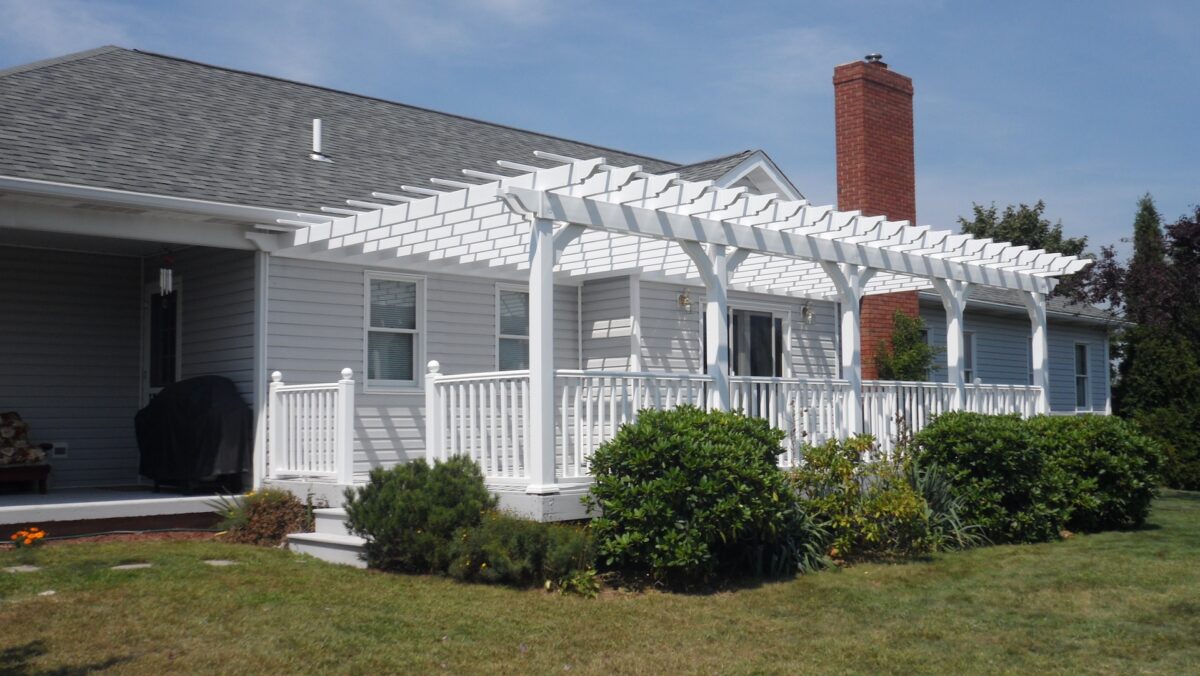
195 430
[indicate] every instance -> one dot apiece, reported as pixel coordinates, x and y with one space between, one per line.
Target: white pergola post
1035 304
954 295
542 480
715 263
850 280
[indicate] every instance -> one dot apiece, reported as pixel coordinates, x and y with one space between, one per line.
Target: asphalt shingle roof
1054 304
131 120
710 170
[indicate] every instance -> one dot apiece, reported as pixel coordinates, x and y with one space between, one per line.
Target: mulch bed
175 536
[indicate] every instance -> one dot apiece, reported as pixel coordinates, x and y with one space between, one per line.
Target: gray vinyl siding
1002 352
671 335
607 324
316 317
71 343
218 315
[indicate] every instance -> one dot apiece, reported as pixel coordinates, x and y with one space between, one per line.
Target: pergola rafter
632 219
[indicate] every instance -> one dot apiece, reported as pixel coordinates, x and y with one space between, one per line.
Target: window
393 330
969 356
512 317
1081 376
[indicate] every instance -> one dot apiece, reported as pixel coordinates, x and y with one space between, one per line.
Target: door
162 324
757 343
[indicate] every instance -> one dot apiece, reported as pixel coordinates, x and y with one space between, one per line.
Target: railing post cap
276 377
347 373
434 366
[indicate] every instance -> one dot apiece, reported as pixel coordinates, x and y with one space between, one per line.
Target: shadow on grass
17 661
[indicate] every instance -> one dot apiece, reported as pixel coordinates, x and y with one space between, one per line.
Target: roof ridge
714 160
65 58
398 103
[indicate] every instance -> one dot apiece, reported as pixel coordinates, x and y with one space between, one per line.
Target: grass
1116 603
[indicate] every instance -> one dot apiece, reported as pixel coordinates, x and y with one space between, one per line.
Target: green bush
410 513
264 517
505 549
1007 486
868 508
684 496
1112 469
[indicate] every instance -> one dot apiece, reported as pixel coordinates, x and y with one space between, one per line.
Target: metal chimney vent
316 142
873 58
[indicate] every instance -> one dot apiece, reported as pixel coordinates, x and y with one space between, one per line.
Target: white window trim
418 381
511 288
1086 375
776 310
969 348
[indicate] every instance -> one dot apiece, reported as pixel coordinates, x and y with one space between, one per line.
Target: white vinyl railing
887 404
310 429
809 410
486 416
481 415
594 404
996 399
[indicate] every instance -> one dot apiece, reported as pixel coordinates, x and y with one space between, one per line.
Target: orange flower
28 541
14 536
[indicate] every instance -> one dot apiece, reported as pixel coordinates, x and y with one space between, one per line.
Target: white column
275 441
716 308
1035 304
344 428
433 413
541 358
954 299
850 280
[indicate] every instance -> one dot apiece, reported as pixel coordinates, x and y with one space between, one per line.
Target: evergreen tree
1147 284
1158 380
907 356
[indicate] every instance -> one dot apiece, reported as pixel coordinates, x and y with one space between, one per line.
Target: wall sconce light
685 301
806 314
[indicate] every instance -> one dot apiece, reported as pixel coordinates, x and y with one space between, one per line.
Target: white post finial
276 377
434 366
347 373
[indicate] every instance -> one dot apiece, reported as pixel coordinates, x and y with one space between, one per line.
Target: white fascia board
233 212
1020 309
759 160
668 225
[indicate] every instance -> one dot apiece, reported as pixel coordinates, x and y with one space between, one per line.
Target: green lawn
1117 602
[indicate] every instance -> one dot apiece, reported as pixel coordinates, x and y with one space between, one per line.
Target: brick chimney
875 171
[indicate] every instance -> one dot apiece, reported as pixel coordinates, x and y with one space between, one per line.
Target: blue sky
1086 105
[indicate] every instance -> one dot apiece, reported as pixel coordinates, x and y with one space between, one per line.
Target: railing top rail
837 382
308 387
1004 386
489 375
933 385
661 375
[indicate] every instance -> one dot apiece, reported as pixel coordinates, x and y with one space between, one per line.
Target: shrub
1111 468
410 513
506 549
685 496
1007 486
869 508
265 517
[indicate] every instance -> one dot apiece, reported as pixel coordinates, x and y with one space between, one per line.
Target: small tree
1027 225
907 356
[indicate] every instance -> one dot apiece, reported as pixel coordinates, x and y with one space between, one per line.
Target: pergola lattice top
631 218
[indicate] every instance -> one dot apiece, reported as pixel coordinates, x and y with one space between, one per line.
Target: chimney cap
873 57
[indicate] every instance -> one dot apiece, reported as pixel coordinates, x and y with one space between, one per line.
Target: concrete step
331 521
342 549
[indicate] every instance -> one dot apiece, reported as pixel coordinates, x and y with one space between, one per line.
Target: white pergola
584 217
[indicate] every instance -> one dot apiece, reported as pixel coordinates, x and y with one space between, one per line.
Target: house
384 282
